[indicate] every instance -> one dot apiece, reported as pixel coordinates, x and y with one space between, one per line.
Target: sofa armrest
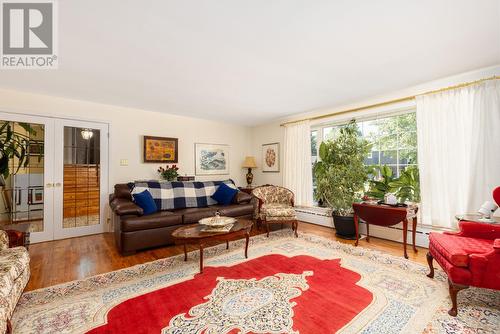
242 197
123 207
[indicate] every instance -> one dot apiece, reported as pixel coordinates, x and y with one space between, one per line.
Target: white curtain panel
297 171
458 151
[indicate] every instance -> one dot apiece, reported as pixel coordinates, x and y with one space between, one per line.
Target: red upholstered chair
470 257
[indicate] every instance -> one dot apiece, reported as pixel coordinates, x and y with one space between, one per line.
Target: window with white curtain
393 138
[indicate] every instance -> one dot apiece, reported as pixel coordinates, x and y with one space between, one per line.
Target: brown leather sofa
134 231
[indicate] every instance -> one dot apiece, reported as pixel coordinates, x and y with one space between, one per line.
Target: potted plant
381 185
341 175
169 173
406 187
14 145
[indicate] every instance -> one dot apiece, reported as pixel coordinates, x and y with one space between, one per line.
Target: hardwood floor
66 260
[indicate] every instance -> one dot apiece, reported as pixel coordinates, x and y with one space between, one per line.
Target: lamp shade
249 163
496 195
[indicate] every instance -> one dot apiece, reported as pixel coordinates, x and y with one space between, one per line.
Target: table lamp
486 210
249 163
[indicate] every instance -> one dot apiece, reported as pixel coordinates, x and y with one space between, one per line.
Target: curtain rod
407 98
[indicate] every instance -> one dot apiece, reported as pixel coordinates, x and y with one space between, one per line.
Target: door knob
58 184
49 185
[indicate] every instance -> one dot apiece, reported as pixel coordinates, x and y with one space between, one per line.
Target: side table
19 234
384 215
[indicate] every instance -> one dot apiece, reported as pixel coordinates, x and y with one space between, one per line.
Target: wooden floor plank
61 261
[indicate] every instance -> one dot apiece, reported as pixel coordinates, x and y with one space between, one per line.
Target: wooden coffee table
192 234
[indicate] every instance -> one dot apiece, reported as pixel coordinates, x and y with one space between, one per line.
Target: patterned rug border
149 269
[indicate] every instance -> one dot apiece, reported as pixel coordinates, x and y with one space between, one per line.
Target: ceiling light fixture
87 134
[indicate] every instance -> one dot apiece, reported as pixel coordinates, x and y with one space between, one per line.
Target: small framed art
271 158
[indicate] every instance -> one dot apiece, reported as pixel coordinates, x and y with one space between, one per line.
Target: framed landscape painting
271 158
161 149
211 159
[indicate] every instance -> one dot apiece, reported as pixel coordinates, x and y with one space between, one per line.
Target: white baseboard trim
394 233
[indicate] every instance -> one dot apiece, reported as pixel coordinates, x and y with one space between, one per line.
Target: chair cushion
458 275
456 249
278 210
13 262
154 220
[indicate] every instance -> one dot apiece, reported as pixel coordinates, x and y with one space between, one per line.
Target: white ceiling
251 61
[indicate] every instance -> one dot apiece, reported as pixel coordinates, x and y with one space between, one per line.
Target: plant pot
344 226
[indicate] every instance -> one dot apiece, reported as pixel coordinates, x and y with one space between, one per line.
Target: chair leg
431 267
9 327
454 289
296 223
267 228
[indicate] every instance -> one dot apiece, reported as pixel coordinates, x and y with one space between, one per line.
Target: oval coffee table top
195 231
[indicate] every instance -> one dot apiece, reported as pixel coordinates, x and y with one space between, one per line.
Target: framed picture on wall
161 149
271 158
211 159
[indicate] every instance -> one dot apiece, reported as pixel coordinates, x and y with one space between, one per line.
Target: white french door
80 177
59 189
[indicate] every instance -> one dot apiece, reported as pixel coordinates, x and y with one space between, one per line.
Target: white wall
272 132
127 126
266 134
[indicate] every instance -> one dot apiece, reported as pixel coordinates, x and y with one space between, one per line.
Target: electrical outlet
124 162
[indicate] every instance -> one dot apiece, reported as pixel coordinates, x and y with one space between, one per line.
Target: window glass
393 141
329 133
314 143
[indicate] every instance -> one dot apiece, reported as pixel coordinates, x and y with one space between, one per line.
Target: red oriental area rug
270 294
287 285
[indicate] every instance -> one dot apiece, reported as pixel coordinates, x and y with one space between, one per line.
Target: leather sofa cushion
154 220
456 249
13 262
193 215
237 210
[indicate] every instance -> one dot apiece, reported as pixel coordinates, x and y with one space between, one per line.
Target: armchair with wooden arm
276 205
470 257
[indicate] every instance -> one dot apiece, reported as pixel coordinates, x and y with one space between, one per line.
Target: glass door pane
81 175
26 203
22 176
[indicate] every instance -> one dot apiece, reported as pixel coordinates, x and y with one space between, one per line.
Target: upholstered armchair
275 206
470 257
14 275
